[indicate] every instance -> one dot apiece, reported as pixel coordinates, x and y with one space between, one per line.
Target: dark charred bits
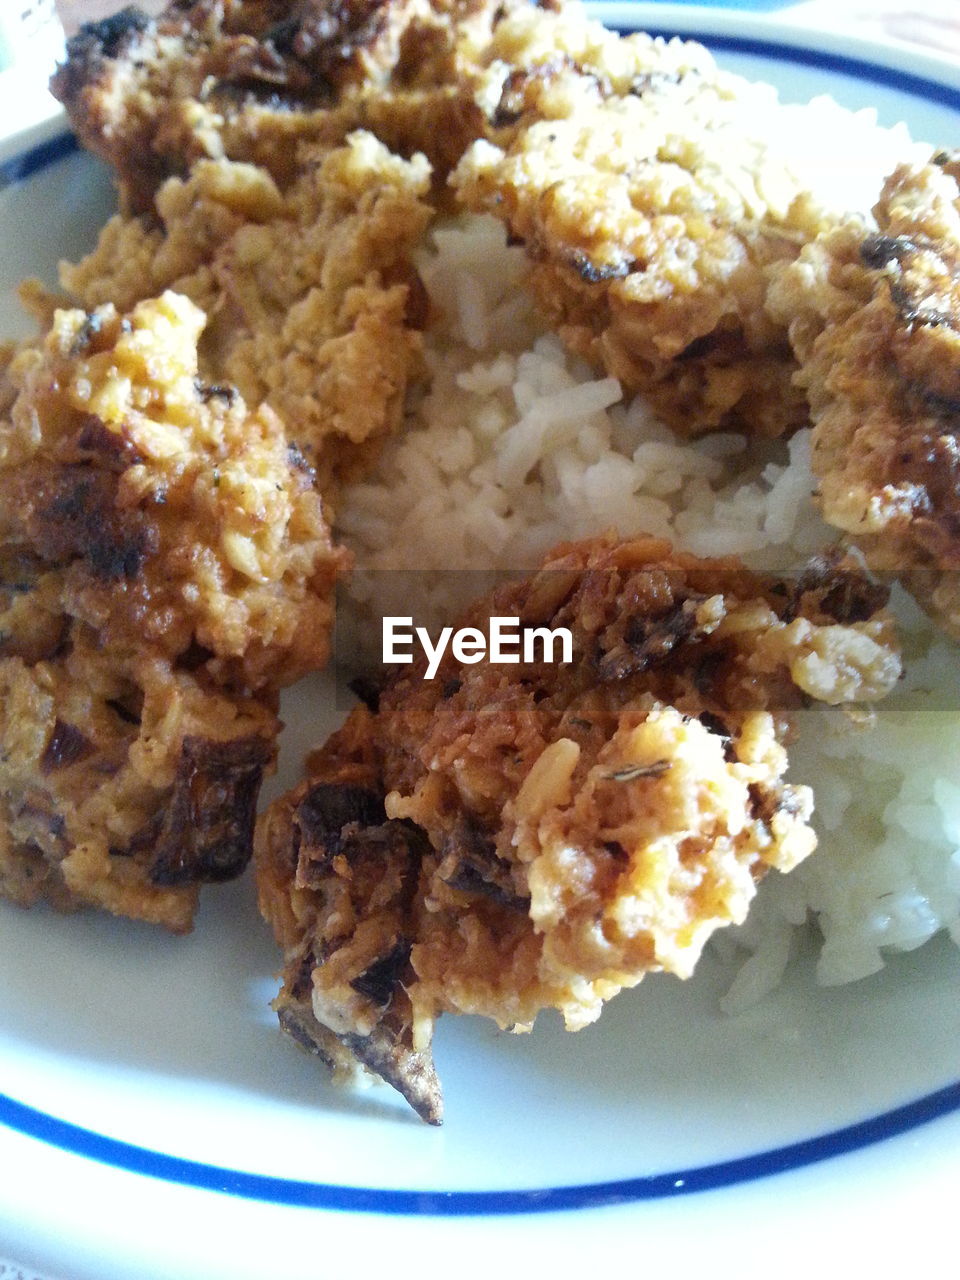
87 335
879 251
699 347
76 517
844 595
194 657
301 985
368 690
295 1023
111 450
647 641
123 712
652 81
141 842
913 312
469 878
298 459
67 745
281 35
208 391
472 865
854 599
110 33
943 406
378 982
329 807
207 832
114 560
707 670
765 804
713 724
596 273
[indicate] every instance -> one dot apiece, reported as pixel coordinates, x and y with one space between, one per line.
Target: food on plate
166 567
124 783
311 297
254 81
175 516
471 280
653 191
504 838
874 315
652 200
519 445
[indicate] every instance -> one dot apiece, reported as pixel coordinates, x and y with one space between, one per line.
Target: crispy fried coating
507 838
312 300
178 518
124 783
165 566
876 324
631 168
636 175
253 80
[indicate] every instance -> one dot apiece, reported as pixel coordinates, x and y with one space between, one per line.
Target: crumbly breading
875 319
506 838
253 81
124 783
631 168
636 175
165 566
178 518
313 302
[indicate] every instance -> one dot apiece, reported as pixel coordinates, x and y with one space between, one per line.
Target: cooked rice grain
517 445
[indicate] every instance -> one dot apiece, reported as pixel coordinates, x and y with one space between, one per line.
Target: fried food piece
165 566
876 325
633 170
312 300
253 81
507 838
124 783
179 519
637 176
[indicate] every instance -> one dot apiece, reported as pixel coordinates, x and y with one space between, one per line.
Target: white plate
157 1125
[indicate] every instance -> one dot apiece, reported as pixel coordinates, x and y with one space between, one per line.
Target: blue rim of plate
131 1158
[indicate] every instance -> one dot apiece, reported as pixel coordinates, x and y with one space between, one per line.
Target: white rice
517 446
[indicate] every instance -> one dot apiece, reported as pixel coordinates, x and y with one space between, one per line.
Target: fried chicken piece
638 177
253 80
507 838
165 566
312 300
876 325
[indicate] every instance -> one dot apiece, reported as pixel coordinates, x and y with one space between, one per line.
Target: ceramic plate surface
155 1124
